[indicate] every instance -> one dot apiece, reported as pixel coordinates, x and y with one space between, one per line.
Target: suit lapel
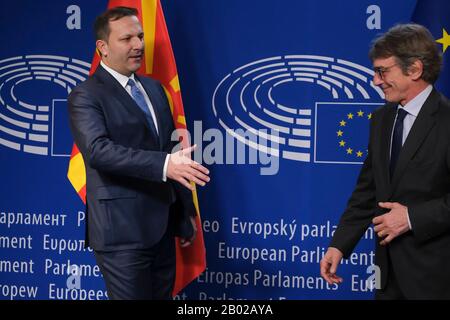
419 131
119 92
385 147
153 95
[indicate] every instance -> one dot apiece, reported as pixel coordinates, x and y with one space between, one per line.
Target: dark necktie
397 138
139 98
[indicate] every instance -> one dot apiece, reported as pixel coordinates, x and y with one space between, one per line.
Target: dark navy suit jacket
128 204
420 257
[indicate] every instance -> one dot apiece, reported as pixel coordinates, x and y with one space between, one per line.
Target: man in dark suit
138 192
404 185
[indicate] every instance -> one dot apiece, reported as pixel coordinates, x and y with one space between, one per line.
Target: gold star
369 116
350 116
359 154
360 113
349 150
342 123
445 40
340 133
342 143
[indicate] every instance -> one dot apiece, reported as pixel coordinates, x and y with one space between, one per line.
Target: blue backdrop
297 71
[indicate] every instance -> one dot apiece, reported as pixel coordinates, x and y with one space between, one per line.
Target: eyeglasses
382 70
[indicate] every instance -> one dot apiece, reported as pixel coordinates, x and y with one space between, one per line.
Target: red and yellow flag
159 63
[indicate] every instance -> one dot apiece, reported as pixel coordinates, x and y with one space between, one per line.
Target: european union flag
342 132
435 15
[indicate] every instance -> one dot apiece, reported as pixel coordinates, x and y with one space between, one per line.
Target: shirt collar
413 107
122 79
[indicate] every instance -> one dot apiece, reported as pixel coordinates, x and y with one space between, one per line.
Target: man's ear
416 70
102 47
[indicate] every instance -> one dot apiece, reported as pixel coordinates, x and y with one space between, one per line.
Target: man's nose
138 43
377 79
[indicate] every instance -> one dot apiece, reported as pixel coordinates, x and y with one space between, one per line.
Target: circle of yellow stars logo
342 141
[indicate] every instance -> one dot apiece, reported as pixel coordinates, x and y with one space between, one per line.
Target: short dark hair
101 24
408 43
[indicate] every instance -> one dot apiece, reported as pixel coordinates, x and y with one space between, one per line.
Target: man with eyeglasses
404 185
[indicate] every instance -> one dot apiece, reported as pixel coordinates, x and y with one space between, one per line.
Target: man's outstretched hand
183 169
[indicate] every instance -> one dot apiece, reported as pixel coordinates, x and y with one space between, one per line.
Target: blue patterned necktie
397 138
140 100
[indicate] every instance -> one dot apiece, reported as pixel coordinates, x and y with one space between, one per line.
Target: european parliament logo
320 107
33 104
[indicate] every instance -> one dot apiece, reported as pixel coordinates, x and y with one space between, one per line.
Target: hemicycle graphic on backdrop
250 98
32 126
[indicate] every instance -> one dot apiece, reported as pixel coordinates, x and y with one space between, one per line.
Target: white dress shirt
123 80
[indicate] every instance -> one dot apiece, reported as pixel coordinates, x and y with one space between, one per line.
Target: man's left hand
391 224
188 242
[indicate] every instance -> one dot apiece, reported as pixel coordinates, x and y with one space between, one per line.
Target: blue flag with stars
435 15
342 132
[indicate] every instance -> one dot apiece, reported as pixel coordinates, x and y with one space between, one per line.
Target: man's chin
388 97
135 67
